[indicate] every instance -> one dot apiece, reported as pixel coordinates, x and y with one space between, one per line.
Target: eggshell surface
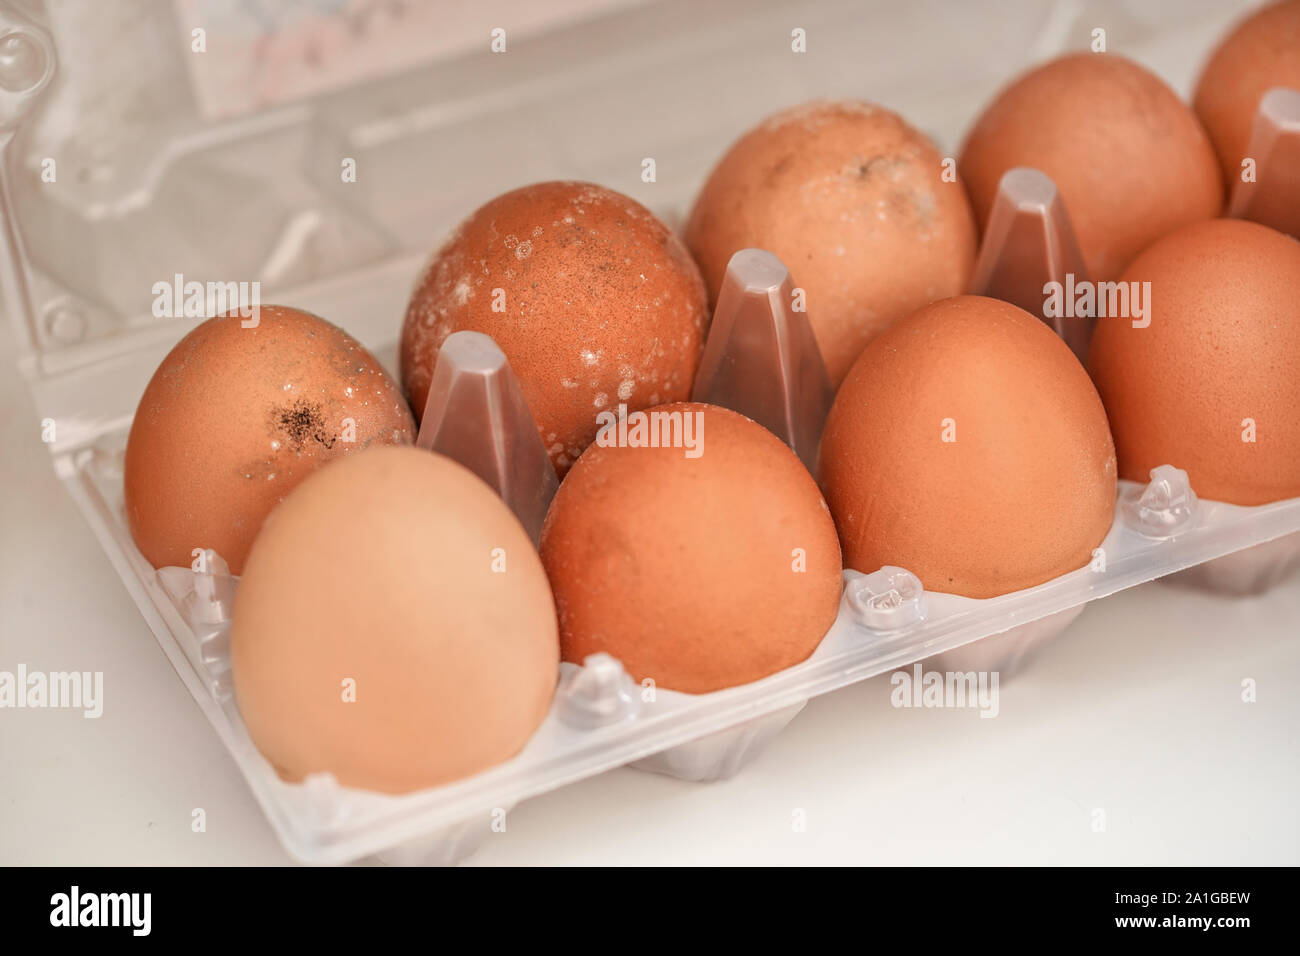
235 417
852 200
1128 156
1261 53
592 299
1212 385
697 573
968 446
394 626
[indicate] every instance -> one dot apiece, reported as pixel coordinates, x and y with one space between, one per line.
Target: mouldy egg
393 627
701 563
1129 157
1263 52
594 302
853 200
234 418
1212 383
968 446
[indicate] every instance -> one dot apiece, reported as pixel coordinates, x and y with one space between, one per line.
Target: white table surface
1136 711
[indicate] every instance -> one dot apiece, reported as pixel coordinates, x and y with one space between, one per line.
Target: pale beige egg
393 627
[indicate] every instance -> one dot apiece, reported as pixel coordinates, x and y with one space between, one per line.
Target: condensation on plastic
78 260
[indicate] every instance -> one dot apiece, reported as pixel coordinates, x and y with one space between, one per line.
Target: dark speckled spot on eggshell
854 201
234 418
301 421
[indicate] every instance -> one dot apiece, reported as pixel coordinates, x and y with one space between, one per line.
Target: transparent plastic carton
163 164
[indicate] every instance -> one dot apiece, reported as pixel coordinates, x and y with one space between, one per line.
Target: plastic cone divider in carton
761 358
476 414
1272 195
1028 243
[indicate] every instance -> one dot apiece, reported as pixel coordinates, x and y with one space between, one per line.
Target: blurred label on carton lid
262 53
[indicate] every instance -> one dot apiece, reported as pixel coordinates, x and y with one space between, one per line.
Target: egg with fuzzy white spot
613 306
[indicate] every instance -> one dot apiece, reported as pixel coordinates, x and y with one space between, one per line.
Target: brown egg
235 417
851 199
590 296
1212 385
968 446
1130 159
696 572
394 626
1261 53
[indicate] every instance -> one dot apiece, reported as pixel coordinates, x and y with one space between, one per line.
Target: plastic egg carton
77 261
601 719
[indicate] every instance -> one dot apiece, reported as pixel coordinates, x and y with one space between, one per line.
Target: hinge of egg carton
27 64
